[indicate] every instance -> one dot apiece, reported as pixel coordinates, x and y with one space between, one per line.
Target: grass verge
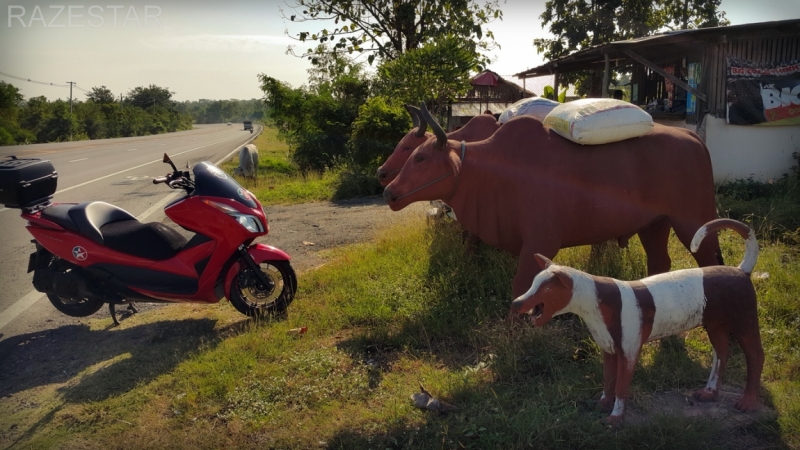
413 306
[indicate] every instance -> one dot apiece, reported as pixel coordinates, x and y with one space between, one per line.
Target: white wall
745 151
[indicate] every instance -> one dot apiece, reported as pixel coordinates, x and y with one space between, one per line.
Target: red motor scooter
93 253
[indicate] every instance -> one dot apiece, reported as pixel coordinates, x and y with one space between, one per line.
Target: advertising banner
763 93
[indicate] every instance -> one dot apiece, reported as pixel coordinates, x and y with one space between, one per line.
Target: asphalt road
117 171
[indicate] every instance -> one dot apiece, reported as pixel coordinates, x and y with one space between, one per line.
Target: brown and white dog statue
623 315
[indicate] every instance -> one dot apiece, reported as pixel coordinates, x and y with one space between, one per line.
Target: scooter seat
90 217
86 218
59 214
151 240
117 229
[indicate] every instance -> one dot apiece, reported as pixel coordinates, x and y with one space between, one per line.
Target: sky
215 49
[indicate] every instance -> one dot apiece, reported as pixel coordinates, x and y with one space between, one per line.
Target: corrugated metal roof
476 109
584 59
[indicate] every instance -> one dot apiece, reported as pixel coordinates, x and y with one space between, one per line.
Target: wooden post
606 74
555 83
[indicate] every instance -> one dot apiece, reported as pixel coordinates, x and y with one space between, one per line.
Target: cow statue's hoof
705 395
748 404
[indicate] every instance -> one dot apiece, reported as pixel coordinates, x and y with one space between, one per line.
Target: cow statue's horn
441 136
419 124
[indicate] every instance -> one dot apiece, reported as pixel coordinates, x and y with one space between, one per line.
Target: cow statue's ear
455 163
544 263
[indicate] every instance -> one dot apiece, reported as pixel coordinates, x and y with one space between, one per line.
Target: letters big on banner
763 93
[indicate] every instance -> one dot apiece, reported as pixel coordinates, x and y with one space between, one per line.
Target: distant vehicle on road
229 124
248 125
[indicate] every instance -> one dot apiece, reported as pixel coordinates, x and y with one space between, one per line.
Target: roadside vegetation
281 181
143 111
413 306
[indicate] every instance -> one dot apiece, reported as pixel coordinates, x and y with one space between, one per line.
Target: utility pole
70 96
70 108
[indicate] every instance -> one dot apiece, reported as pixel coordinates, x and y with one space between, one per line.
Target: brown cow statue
527 190
477 129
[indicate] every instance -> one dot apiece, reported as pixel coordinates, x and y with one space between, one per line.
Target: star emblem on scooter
80 253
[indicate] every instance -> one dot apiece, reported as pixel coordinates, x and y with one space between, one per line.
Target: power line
43 83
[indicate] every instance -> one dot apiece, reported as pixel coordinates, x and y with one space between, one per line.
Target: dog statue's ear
544 263
564 278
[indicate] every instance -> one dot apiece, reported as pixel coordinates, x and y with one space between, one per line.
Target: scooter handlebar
159 180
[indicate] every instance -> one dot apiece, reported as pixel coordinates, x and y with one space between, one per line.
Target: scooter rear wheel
250 297
81 308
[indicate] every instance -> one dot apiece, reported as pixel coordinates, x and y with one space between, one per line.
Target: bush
772 209
355 182
376 131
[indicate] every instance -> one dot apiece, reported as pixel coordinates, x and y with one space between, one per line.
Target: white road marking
136 167
17 308
76 160
133 149
32 297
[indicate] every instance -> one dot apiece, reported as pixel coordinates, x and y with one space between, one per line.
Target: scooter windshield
210 181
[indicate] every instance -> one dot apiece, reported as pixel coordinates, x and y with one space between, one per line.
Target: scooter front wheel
250 296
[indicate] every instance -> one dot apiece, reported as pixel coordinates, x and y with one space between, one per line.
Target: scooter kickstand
113 314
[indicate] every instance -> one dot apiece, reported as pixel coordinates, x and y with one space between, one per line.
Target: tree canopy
151 95
385 29
580 24
101 95
438 73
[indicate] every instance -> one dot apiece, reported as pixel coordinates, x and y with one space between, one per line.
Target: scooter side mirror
166 160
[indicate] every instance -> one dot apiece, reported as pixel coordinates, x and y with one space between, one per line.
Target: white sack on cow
595 121
537 107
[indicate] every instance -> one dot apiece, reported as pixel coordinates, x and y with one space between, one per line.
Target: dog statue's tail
750 243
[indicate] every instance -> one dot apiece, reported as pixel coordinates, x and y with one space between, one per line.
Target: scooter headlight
251 223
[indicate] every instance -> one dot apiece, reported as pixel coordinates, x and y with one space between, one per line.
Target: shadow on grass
112 361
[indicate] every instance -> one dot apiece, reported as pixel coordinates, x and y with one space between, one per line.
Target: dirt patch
680 403
304 230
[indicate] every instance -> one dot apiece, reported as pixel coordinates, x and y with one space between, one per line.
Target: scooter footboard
259 253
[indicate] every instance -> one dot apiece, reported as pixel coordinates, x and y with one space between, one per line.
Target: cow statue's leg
655 240
709 253
528 267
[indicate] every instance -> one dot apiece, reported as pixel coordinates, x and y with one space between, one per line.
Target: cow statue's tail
751 245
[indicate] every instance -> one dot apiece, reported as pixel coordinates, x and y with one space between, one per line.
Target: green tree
385 29
317 122
60 126
101 95
686 14
580 24
34 114
10 98
149 96
10 131
436 73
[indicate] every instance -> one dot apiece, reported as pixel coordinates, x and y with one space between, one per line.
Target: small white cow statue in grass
248 162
